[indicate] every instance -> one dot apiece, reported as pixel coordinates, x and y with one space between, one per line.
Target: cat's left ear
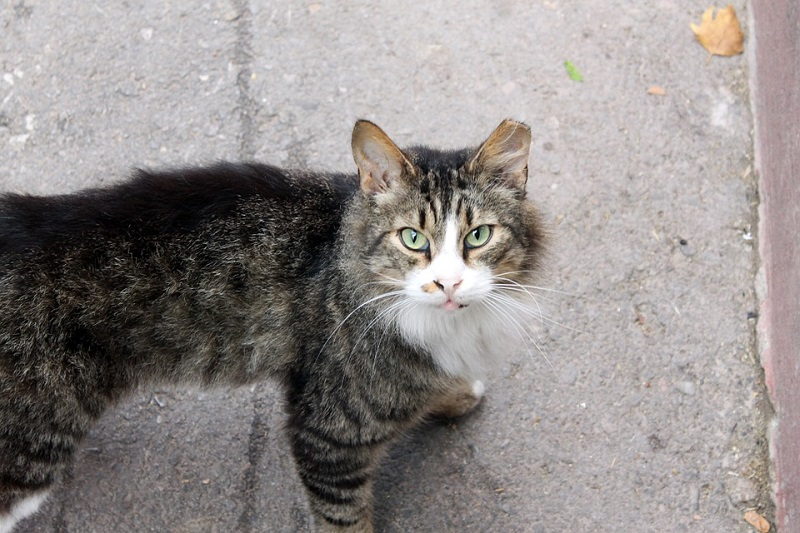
504 155
381 164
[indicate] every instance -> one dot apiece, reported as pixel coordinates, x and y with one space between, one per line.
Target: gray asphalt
641 407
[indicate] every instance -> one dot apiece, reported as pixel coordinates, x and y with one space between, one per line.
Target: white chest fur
467 342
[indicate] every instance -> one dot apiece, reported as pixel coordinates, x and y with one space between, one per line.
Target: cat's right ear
504 155
381 164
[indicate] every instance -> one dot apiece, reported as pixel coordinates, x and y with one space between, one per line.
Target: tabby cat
375 300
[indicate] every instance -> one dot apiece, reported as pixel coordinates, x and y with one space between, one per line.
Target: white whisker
502 276
378 317
520 287
363 331
398 281
524 331
537 314
522 290
398 308
521 330
354 311
519 306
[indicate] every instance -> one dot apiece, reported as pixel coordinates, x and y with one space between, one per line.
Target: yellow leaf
757 521
721 34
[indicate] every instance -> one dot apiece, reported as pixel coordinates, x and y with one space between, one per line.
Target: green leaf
573 72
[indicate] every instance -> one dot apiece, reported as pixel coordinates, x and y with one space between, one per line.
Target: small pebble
569 375
686 248
552 123
19 140
686 387
741 490
694 498
509 87
129 89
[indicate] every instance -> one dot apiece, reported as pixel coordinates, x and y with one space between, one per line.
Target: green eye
414 240
478 236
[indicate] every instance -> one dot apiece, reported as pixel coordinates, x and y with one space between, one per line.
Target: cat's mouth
450 305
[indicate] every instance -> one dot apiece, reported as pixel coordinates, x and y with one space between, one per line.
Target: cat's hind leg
16 509
459 399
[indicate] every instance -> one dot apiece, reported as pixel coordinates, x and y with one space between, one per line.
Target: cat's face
452 241
449 226
450 248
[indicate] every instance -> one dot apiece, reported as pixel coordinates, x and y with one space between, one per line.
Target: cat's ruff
467 342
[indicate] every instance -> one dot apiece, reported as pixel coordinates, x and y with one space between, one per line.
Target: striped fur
233 273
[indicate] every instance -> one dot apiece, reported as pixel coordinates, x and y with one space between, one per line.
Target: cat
375 299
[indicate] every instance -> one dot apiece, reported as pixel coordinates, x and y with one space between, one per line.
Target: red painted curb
777 120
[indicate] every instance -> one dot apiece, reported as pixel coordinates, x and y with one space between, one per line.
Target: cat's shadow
436 479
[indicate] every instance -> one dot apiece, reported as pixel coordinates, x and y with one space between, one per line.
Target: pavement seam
60 518
247 106
256 446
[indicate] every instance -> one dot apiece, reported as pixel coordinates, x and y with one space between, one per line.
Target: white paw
478 389
19 510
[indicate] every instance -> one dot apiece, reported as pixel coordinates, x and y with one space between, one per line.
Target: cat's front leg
336 468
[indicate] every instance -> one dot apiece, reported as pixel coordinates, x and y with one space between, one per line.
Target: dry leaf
655 90
757 521
721 34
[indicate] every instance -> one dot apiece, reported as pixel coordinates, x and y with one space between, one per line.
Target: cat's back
183 269
155 205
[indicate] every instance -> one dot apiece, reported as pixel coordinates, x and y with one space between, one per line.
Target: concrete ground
645 409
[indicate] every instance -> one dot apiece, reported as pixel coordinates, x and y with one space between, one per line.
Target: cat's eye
478 236
414 240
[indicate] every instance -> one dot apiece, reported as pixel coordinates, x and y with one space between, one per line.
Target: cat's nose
448 285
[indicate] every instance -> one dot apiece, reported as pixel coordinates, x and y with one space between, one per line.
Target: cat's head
450 237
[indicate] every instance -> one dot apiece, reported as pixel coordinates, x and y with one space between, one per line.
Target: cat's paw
459 400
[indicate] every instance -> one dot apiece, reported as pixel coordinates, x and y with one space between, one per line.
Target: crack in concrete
247 106
60 519
256 446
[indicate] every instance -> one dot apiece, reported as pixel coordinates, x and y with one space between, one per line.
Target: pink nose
448 286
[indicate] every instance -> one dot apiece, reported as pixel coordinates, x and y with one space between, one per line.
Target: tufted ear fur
504 155
381 164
